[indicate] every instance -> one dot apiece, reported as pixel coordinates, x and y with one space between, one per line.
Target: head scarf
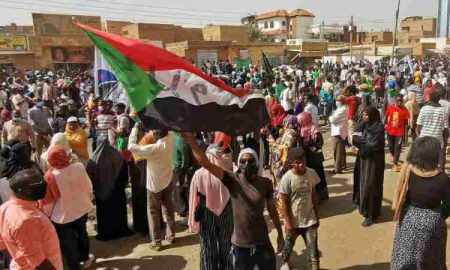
309 130
291 122
78 141
249 151
60 139
205 183
278 114
104 168
19 159
57 157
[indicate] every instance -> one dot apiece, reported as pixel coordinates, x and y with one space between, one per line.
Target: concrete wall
277 23
226 33
414 28
302 27
114 27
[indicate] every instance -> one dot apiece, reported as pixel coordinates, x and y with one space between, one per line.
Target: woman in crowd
312 141
67 202
277 114
78 139
210 213
421 208
59 139
369 139
413 108
109 175
339 132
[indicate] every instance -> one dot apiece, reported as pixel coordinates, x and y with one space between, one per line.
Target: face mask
249 169
338 104
17 118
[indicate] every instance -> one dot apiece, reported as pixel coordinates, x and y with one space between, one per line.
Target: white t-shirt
299 188
286 99
314 111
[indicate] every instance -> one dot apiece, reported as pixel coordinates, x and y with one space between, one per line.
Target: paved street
343 242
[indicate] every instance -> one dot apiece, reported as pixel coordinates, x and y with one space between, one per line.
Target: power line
172 8
105 17
116 11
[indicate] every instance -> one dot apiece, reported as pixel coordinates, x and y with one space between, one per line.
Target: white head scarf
251 152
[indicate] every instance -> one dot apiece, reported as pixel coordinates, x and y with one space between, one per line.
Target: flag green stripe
141 87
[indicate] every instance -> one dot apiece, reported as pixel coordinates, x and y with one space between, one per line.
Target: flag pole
395 32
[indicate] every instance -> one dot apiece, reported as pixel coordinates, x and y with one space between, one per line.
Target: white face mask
338 104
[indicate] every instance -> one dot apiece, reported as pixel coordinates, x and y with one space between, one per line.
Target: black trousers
395 147
260 256
74 241
310 237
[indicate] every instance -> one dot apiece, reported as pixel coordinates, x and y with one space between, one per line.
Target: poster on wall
13 43
72 55
203 56
244 54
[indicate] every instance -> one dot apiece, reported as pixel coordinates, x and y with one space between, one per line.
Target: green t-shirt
299 188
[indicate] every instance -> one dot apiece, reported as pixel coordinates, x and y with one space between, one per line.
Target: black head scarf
18 160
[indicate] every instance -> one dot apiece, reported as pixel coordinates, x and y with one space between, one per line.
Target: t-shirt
433 121
397 120
299 188
286 99
352 102
428 192
248 200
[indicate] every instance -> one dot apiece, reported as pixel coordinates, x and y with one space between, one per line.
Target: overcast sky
369 14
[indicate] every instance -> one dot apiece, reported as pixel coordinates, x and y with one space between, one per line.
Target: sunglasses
247 161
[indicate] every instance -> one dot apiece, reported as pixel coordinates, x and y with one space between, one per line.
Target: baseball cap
72 119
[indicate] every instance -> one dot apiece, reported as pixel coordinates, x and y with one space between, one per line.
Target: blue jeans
262 255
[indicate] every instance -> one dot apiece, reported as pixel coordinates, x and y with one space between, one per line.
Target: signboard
72 55
13 42
52 24
244 54
204 55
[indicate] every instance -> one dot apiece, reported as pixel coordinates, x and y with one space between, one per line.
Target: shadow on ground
377 266
167 262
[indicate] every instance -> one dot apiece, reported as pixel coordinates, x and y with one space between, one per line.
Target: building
226 33
114 27
332 33
443 21
281 25
17 29
161 33
380 37
412 29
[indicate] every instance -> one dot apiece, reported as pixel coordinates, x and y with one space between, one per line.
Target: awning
15 52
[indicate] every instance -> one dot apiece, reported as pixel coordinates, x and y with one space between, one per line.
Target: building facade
443 22
237 33
280 25
412 29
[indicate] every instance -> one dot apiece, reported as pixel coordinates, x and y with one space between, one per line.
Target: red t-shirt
352 103
397 120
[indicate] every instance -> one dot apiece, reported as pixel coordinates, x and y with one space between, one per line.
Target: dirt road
343 242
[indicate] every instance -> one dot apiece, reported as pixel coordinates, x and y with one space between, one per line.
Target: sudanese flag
170 93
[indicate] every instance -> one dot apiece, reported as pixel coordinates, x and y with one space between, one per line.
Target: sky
368 14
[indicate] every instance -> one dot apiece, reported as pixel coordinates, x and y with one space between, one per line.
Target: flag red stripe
151 58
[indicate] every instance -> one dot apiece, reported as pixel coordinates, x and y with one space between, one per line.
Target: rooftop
283 13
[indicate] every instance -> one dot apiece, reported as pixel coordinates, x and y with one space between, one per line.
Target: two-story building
280 25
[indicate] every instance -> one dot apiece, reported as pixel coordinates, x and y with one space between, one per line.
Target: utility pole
395 32
351 39
322 26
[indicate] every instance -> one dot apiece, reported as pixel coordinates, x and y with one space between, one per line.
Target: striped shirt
433 121
105 122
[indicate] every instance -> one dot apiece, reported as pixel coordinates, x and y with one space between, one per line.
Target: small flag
170 93
267 66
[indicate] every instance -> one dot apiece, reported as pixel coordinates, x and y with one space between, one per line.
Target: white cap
72 119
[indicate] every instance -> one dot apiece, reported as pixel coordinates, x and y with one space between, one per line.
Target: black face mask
35 192
249 169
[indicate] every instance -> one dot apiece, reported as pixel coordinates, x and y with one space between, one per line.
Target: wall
24 61
278 23
415 28
226 33
114 27
182 34
302 27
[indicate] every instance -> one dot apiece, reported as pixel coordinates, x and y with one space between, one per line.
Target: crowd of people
66 151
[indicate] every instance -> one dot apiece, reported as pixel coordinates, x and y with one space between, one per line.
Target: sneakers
367 222
156 246
170 239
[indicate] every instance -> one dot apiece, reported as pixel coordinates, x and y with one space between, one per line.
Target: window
283 23
266 25
125 32
272 24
